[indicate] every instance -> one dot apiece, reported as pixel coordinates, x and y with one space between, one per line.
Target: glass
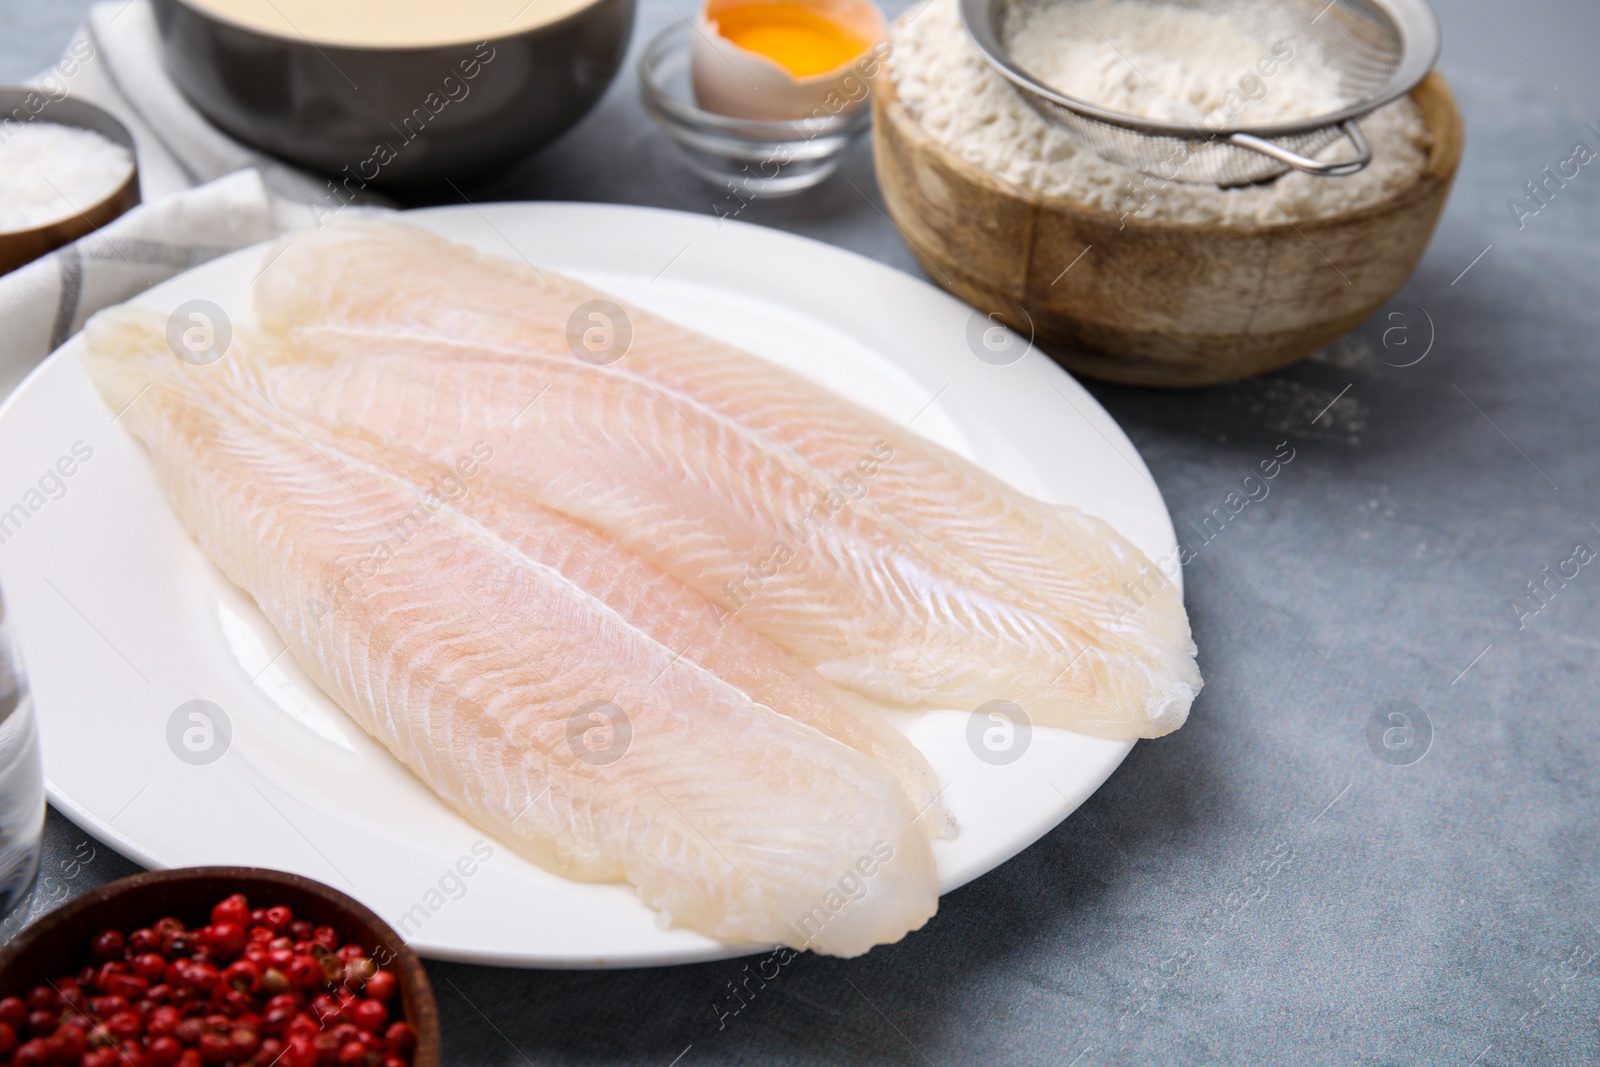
750 158
21 775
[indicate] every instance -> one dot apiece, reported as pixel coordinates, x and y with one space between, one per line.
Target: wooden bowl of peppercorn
164 956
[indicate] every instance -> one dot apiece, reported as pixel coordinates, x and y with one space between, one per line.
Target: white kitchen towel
47 301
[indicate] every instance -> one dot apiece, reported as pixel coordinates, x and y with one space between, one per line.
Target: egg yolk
795 37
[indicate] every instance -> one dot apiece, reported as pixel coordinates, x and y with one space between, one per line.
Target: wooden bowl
57 943
20 247
1156 302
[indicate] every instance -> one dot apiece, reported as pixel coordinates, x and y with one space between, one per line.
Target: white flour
955 96
1175 64
50 172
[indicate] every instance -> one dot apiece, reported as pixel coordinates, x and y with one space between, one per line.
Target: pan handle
1291 158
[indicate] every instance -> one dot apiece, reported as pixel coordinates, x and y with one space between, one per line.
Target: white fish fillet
893 566
668 611
469 656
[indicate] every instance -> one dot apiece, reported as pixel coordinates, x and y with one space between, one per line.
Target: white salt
50 172
959 100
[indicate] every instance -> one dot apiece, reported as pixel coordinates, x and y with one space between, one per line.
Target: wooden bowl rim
1444 156
413 975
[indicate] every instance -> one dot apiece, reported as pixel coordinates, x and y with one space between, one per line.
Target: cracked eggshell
733 81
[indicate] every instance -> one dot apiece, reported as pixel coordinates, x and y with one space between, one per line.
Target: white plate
122 618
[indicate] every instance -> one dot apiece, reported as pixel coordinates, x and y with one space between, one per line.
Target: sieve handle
1336 168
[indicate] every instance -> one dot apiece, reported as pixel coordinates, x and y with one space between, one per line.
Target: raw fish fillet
472 658
676 616
893 566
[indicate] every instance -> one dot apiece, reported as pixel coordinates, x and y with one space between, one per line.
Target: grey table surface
1262 887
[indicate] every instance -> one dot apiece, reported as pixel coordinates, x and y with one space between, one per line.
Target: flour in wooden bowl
962 103
1186 65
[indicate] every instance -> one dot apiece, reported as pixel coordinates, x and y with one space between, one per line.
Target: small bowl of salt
66 169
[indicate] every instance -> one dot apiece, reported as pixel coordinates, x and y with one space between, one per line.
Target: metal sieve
1380 50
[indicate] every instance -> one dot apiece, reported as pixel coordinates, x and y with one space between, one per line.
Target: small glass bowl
751 158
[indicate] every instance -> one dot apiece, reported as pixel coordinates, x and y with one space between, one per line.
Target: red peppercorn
129 986
177 944
225 940
280 1010
327 1011
327 1047
231 1001
271 1048
107 945
108 1006
151 966
401 1040
243 1043
162 1052
189 1031
232 992
299 1051
73 1040
244 975
381 986
105 971
32 1053
303 972
163 1021
371 1016
215 1047
144 939
236 909
203 976
176 974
